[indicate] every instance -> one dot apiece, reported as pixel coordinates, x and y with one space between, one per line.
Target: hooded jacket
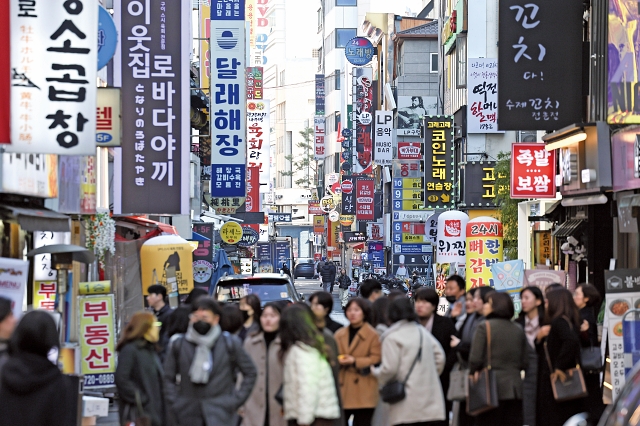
33 391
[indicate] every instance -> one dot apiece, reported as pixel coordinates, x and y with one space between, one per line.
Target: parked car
305 268
268 287
625 411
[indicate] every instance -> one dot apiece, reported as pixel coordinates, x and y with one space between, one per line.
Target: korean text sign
482 107
539 64
152 68
13 282
320 94
363 114
97 341
228 99
533 171
384 138
54 62
319 148
484 248
365 189
479 184
438 161
258 131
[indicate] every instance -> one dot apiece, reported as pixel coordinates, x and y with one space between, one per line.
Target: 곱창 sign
533 171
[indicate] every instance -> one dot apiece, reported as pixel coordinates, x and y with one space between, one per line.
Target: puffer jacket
309 388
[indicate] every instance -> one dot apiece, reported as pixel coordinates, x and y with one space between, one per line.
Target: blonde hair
138 325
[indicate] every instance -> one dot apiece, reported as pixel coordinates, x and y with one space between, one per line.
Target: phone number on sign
99 379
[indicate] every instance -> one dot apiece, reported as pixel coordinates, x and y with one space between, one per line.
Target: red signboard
5 75
365 189
314 207
252 204
409 151
533 171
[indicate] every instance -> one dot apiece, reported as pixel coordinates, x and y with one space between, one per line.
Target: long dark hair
363 304
537 293
253 301
561 304
296 325
36 334
420 101
380 312
276 306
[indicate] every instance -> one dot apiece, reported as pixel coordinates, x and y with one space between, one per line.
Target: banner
482 106
77 184
319 150
365 189
412 110
255 88
13 282
258 136
484 248
253 202
533 171
539 78
318 224
203 255
30 174
263 29
384 138
97 340
167 260
152 66
204 33
439 159
320 94
451 247
363 113
228 94
54 59
5 75
108 117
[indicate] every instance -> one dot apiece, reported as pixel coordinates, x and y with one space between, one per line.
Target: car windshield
267 291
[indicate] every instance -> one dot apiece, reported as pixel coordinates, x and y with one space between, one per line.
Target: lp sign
384 138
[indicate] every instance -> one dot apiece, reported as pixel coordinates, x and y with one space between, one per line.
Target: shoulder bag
573 387
483 386
135 415
458 382
394 391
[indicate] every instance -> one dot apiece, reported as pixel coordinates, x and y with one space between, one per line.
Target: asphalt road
308 287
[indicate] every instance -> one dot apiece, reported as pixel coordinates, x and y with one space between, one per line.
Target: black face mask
451 299
202 327
245 315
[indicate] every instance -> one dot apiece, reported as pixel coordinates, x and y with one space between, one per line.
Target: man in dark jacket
207 361
156 300
328 274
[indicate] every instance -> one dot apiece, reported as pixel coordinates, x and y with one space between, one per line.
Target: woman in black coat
139 372
33 391
563 345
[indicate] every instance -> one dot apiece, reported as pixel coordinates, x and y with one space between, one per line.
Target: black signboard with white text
354 237
479 184
539 64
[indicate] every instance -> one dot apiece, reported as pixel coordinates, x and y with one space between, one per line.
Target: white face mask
53 355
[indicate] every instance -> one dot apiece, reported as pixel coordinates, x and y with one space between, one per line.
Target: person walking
200 371
371 289
33 391
321 304
426 304
250 307
563 345
455 290
343 287
139 372
587 299
7 325
359 350
531 318
156 299
309 389
328 275
380 321
262 408
402 344
507 357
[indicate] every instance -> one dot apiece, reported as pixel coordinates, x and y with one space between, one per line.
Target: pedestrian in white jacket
309 390
424 401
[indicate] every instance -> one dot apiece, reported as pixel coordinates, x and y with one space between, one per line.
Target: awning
568 228
150 227
198 237
33 220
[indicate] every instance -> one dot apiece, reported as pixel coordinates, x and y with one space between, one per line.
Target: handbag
591 358
483 390
573 387
279 396
458 384
394 391
134 415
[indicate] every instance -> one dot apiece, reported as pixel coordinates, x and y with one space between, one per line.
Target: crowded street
319 213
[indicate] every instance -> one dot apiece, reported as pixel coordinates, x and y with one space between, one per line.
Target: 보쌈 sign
533 171
54 59
97 341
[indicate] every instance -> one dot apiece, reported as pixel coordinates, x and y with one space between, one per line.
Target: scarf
531 328
202 363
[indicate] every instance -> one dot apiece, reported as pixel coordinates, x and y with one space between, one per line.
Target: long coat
359 390
424 400
217 402
269 380
139 370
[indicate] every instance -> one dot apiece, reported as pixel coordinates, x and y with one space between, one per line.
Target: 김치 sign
533 171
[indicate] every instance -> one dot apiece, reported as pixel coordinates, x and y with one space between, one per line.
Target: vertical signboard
438 162
255 79
365 189
484 248
319 150
539 76
258 131
479 184
363 114
348 186
320 94
5 75
228 118
54 59
203 255
152 67
108 116
263 29
451 252
384 138
253 202
77 187
533 171
97 339
204 14
482 106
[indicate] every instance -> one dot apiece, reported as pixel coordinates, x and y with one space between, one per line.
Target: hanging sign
97 340
231 232
533 171
359 51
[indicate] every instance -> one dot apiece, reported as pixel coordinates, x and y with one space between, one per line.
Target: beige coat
424 401
358 390
270 373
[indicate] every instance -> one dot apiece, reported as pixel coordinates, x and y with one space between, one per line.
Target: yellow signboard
407 205
44 295
164 252
411 183
97 340
407 194
205 55
95 287
411 238
231 232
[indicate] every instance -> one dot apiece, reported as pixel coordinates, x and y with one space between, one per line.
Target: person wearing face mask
455 290
262 408
201 368
139 372
7 325
251 310
33 391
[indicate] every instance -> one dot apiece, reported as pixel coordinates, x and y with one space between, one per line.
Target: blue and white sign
249 237
228 111
107 37
412 248
359 51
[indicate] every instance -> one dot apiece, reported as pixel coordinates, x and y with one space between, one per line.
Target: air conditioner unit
527 136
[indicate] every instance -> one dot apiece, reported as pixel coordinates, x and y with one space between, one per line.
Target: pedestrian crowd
395 363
